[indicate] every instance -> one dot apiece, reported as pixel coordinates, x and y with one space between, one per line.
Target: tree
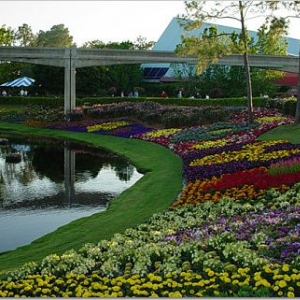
217 45
9 70
142 44
51 79
230 81
6 36
99 80
295 7
25 36
57 36
269 42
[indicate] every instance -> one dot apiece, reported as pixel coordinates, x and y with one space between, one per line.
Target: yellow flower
200 283
28 288
282 283
120 294
133 288
153 295
175 295
161 132
275 288
267 269
235 281
285 268
290 295
3 294
144 293
269 119
86 294
59 281
106 126
295 277
115 288
46 291
275 277
86 282
245 282
263 282
227 280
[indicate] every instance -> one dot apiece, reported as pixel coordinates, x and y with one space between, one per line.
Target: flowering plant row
203 250
151 113
233 231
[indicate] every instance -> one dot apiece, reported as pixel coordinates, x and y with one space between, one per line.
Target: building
171 37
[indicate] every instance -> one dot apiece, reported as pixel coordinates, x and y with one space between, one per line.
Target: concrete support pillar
70 80
69 175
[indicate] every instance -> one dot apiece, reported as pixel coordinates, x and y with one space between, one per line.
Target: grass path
158 188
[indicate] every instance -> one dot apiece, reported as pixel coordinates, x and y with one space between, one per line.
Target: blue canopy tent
19 82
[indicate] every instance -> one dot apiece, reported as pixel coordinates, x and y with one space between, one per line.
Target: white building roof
171 37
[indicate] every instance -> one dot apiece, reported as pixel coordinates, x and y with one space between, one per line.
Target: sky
103 20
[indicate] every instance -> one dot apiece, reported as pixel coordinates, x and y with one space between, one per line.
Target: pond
52 183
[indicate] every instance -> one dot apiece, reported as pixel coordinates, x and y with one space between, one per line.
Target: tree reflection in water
53 175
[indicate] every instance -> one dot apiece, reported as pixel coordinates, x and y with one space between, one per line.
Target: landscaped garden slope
233 231
134 206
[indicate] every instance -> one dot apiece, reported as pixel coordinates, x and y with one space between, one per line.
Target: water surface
54 184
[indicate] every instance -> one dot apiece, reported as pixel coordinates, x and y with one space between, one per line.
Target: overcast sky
107 21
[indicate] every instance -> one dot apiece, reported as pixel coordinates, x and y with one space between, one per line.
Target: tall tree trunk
247 67
297 115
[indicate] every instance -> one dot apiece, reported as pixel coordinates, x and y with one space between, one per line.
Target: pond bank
158 188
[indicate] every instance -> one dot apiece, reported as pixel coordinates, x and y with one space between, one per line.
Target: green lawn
286 132
160 185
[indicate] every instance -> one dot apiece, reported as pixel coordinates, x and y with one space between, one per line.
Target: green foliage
99 80
212 45
6 36
57 36
17 100
284 167
50 80
25 36
208 48
289 107
249 291
270 37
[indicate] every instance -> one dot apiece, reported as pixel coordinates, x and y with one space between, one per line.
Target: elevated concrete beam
34 55
273 62
72 58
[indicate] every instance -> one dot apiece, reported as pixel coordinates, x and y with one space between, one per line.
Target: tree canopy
212 45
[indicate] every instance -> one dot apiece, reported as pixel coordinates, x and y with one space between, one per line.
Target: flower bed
233 231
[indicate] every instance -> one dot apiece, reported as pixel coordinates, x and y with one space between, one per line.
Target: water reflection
54 183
